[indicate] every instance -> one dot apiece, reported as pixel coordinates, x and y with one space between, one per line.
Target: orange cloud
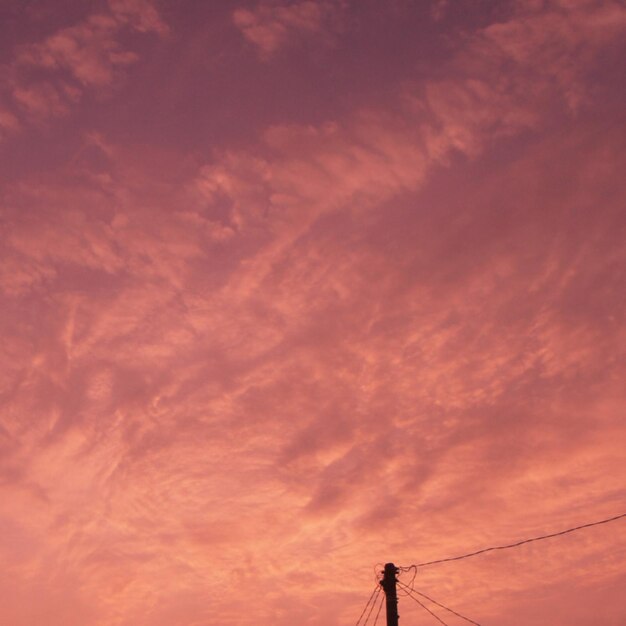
235 372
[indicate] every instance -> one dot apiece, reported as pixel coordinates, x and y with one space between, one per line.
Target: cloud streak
263 364
272 26
48 78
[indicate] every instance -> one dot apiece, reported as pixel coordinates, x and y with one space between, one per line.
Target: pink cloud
88 55
140 14
392 334
43 100
9 124
438 9
271 26
557 45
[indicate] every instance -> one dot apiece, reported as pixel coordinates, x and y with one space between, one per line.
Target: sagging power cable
376 590
410 590
428 610
519 543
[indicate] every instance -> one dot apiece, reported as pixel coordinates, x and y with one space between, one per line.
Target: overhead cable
423 595
380 606
520 543
376 589
367 619
428 610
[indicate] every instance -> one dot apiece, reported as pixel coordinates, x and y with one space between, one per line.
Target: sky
293 288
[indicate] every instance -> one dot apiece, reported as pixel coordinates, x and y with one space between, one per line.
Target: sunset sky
289 289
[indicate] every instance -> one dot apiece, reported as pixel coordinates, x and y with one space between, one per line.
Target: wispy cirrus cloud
336 343
270 26
559 45
9 123
299 173
47 79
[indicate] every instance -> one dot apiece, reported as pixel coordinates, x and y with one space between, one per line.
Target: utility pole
388 583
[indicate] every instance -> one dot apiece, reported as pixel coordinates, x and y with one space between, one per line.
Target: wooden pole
388 584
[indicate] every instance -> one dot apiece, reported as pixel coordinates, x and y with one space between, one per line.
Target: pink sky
288 289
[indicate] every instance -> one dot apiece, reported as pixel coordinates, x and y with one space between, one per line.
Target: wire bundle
371 603
410 591
412 594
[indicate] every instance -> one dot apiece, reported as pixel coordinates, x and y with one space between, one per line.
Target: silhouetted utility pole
388 584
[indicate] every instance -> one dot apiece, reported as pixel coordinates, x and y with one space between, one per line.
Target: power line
367 619
428 610
408 569
380 606
376 589
520 543
419 593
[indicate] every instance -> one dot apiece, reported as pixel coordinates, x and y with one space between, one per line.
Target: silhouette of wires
409 589
402 570
409 592
516 544
378 574
371 600
367 619
380 606
428 610
371 603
